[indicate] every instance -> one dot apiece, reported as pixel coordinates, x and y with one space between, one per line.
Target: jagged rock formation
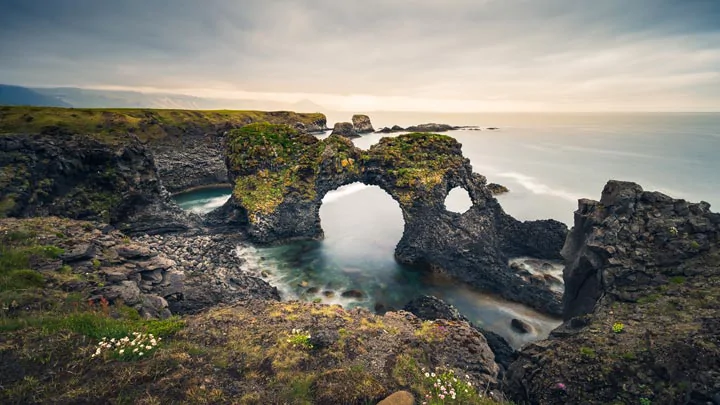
362 124
80 177
642 308
281 176
345 129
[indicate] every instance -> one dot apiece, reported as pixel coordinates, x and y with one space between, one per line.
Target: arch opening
458 200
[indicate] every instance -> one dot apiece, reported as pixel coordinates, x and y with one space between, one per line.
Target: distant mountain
88 98
17 95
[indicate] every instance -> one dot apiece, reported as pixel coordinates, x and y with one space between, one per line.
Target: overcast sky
441 55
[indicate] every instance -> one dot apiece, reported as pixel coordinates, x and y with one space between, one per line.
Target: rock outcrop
345 129
497 189
362 124
82 177
431 308
431 127
641 306
281 176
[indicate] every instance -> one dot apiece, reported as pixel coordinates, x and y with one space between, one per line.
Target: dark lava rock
432 127
353 294
520 326
385 130
361 124
497 189
639 268
493 128
345 129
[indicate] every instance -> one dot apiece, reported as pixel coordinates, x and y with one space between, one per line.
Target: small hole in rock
458 200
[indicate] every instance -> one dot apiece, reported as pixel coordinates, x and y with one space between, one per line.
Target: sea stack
345 129
362 124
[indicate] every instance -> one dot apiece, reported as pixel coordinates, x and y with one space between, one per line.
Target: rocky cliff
362 124
187 145
81 177
641 307
281 176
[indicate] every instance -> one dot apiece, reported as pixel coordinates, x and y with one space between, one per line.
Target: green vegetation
300 338
114 125
588 352
677 280
618 327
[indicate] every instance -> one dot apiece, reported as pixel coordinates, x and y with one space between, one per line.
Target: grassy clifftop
148 124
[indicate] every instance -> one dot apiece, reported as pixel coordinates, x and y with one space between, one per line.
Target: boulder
640 267
361 124
398 398
520 326
345 129
127 291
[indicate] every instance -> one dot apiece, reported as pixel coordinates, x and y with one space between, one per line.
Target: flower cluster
128 348
618 327
300 338
444 387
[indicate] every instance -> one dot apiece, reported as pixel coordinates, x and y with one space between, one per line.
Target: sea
548 161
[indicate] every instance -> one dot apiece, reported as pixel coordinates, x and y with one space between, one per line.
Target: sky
373 55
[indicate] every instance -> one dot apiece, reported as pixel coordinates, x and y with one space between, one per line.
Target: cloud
466 54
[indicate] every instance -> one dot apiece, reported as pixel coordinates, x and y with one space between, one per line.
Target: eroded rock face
79 177
281 177
362 124
345 129
642 281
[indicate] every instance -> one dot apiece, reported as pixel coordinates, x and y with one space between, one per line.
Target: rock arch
282 175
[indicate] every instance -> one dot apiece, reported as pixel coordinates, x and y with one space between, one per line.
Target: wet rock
353 294
361 124
521 326
328 294
312 290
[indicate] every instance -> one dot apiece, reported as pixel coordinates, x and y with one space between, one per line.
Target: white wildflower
140 354
121 351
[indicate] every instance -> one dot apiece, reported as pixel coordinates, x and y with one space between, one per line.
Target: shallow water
546 162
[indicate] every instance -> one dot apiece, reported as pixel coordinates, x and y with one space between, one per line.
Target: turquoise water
546 162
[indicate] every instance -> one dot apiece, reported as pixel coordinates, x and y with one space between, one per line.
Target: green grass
114 124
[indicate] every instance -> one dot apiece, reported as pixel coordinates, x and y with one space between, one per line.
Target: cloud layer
455 55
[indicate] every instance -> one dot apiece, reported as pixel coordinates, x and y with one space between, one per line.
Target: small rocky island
110 291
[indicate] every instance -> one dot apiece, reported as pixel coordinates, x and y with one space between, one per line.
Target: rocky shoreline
640 305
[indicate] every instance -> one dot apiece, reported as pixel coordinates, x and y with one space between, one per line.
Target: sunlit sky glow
411 55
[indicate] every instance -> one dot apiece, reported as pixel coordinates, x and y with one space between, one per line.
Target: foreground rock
432 308
362 124
345 129
156 275
641 309
279 190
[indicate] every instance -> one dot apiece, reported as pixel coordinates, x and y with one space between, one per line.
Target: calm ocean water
548 161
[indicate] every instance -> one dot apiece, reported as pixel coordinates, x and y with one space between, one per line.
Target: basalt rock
642 281
362 124
81 177
281 176
345 129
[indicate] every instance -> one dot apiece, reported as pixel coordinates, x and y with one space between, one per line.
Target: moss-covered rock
280 177
642 307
